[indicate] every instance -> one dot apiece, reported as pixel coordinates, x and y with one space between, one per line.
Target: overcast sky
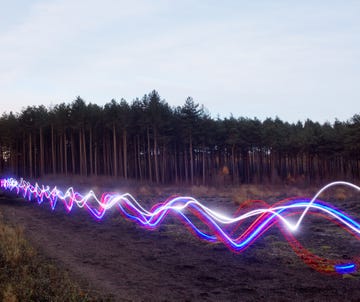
292 59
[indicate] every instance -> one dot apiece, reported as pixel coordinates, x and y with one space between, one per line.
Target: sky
291 59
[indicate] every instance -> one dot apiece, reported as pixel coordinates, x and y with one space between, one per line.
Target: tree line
148 140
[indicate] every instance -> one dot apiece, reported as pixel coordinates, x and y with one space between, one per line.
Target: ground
121 260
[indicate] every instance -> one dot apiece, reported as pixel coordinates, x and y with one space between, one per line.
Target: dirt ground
121 260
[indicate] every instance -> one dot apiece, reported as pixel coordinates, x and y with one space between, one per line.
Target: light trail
214 226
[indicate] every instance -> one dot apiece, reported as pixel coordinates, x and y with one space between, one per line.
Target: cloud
241 56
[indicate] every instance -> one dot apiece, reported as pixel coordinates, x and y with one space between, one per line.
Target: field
118 260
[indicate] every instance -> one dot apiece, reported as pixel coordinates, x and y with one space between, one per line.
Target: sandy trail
118 258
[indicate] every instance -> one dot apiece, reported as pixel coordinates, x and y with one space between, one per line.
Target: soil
121 260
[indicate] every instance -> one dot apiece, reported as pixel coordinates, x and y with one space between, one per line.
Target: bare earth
128 263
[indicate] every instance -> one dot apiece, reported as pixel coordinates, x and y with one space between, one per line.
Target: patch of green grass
25 276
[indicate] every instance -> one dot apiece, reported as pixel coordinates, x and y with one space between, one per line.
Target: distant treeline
150 141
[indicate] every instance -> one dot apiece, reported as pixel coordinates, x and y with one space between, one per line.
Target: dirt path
118 258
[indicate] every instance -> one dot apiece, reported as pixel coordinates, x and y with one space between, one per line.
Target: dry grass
13 246
263 192
200 191
25 276
276 193
341 194
237 194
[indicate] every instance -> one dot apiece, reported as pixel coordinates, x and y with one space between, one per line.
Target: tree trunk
115 152
23 155
42 166
91 151
120 160
163 166
35 161
233 163
109 159
30 156
84 152
95 160
191 160
186 165
203 165
53 150
125 153
139 157
104 149
149 155
81 167
156 156
65 154
61 152
72 153
16 159
176 167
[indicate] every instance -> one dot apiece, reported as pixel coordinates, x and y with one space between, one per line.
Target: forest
149 141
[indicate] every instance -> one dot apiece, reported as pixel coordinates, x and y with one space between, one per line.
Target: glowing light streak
214 222
345 269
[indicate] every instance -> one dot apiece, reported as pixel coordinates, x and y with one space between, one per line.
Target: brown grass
341 194
238 194
13 246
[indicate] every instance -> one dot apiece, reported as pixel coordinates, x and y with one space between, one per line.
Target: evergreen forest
149 141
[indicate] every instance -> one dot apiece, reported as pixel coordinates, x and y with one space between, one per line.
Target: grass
236 193
26 276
